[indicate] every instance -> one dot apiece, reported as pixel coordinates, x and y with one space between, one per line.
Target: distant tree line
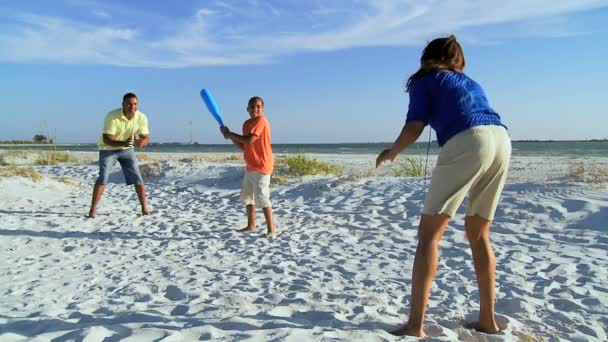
38 139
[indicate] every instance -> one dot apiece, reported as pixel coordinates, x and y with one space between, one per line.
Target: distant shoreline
288 144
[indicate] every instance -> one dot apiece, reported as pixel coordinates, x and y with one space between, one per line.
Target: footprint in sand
174 293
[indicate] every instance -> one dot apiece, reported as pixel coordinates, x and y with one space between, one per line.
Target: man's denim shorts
128 164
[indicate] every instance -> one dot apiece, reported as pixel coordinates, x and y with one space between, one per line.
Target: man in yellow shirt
123 129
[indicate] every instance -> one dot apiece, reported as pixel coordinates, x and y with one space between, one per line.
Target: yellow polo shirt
117 124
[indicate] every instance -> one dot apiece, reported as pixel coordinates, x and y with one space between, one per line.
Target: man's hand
129 141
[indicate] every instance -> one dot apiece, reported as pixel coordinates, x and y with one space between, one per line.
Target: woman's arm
409 134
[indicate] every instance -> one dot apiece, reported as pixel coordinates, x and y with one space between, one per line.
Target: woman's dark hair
440 54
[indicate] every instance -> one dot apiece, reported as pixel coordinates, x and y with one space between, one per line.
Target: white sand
339 270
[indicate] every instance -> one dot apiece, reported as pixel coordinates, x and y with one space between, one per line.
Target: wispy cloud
253 32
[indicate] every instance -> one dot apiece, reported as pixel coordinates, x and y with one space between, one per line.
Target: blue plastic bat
212 106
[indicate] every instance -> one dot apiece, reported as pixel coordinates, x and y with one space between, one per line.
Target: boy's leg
430 231
269 221
248 199
478 233
250 219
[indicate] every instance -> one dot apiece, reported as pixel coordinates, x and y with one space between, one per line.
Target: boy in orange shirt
257 151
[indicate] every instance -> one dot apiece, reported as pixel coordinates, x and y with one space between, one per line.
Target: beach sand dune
340 268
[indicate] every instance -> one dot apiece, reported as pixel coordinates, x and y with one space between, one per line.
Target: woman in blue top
474 158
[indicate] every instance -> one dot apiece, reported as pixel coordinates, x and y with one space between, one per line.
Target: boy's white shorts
256 189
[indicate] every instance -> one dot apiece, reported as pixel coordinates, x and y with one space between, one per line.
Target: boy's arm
236 139
239 145
241 139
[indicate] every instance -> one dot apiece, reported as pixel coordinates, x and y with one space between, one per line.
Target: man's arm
110 140
143 140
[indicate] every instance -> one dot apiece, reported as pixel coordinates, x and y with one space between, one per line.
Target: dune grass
54 158
151 169
300 165
16 171
8 157
141 156
409 167
590 172
303 165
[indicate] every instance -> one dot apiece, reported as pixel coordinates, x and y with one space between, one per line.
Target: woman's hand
384 156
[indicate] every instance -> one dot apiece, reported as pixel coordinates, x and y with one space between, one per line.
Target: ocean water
591 148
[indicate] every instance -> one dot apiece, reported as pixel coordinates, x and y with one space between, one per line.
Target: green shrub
302 165
410 167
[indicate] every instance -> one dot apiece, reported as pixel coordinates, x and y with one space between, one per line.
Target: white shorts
256 189
474 161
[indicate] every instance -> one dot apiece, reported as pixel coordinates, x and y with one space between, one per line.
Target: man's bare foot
92 214
477 326
407 331
246 230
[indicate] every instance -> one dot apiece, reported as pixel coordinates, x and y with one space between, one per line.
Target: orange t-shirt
258 154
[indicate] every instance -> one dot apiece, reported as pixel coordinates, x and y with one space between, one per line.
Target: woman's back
450 102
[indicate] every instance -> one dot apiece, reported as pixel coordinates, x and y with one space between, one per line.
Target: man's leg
98 189
141 195
478 233
106 158
430 231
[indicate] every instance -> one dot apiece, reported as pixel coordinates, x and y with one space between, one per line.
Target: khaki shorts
256 189
474 161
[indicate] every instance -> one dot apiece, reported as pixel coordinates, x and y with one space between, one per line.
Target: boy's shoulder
257 119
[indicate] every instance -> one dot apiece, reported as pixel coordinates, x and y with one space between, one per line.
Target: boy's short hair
253 100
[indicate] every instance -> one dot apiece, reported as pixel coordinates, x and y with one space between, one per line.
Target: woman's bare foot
246 230
407 331
477 326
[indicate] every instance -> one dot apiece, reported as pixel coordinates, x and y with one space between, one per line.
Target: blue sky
329 71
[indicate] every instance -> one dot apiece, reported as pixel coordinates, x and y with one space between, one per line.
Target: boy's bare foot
145 212
91 214
271 233
407 331
246 230
477 326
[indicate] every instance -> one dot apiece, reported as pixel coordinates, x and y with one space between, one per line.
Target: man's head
129 105
255 106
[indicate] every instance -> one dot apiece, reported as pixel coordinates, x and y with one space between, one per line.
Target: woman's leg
430 231
478 233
